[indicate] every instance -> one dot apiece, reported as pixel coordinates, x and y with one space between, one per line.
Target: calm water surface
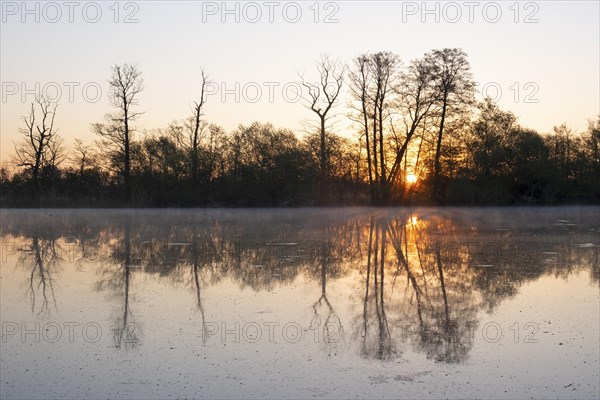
333 303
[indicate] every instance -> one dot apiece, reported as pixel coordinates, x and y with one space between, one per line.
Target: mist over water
338 302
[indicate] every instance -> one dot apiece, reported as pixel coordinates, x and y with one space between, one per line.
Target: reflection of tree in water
324 318
198 265
334 252
452 308
42 256
435 311
376 338
595 265
502 263
425 276
451 298
117 278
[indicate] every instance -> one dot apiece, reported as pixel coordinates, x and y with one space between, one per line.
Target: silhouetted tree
40 147
360 80
195 130
125 85
84 156
416 100
454 85
374 79
322 98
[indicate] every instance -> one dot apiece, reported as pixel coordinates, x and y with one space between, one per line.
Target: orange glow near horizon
411 178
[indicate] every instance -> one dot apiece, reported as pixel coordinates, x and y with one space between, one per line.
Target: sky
538 59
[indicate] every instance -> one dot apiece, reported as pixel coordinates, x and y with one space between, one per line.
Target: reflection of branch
396 242
44 257
331 314
442 283
331 317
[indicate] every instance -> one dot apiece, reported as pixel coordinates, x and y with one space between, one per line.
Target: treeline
419 137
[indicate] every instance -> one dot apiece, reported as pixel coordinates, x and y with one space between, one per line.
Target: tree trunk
369 165
438 149
323 156
383 190
127 171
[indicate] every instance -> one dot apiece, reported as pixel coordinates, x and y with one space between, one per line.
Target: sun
411 178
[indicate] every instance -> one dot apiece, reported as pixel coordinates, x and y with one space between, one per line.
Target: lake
301 303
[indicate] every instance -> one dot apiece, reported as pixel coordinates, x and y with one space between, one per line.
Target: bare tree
383 92
359 87
83 157
322 97
125 84
416 101
196 128
384 66
374 79
40 146
455 89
